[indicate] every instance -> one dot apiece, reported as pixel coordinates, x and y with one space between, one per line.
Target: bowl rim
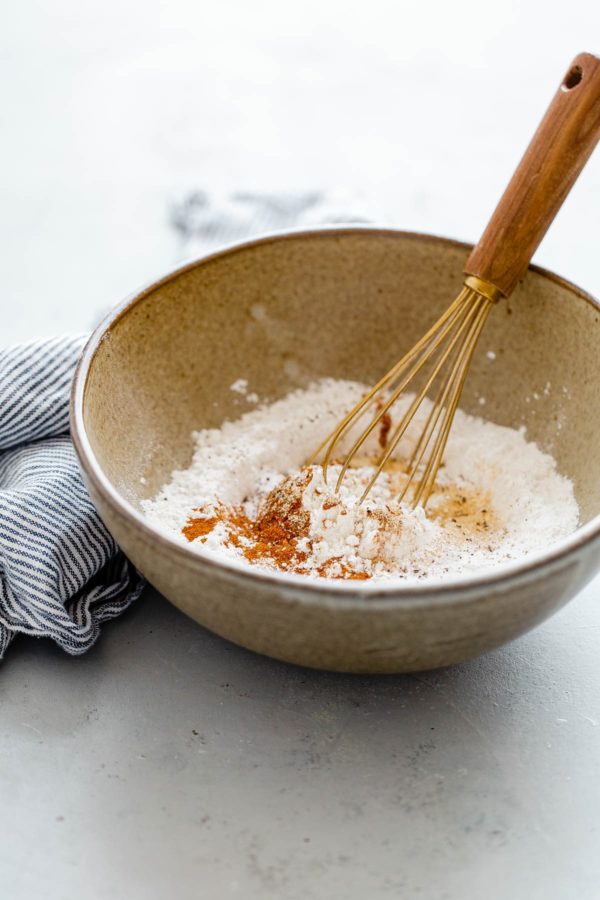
304 587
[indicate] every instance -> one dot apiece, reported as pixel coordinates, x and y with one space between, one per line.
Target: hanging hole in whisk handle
572 78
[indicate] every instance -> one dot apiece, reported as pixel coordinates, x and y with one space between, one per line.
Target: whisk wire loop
439 406
388 405
448 345
333 439
464 325
425 487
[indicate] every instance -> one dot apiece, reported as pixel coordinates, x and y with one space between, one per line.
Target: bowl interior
340 303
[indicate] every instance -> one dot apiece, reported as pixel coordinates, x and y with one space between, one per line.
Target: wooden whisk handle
556 155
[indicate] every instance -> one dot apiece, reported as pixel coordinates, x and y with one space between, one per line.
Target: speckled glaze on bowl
346 302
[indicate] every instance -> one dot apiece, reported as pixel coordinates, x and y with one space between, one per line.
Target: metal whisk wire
449 344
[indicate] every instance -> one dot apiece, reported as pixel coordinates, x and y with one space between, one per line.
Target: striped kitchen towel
61 573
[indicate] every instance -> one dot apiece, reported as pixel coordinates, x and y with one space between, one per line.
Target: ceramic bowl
342 302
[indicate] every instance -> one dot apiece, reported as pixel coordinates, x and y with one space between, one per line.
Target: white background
111 111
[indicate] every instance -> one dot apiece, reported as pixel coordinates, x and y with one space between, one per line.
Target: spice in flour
248 496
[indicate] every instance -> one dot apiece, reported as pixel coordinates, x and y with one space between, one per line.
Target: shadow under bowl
283 311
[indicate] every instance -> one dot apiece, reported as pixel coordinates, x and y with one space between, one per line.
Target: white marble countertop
170 763
167 762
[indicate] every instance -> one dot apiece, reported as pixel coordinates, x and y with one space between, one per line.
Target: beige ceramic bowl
346 303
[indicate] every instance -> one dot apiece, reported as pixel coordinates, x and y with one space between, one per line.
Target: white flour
498 497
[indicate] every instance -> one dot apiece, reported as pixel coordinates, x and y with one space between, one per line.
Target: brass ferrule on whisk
484 288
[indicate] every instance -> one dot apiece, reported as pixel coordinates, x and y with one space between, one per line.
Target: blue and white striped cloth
61 573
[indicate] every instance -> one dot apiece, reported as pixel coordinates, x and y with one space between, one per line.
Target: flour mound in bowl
249 496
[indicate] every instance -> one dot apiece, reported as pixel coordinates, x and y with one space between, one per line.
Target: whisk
439 362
